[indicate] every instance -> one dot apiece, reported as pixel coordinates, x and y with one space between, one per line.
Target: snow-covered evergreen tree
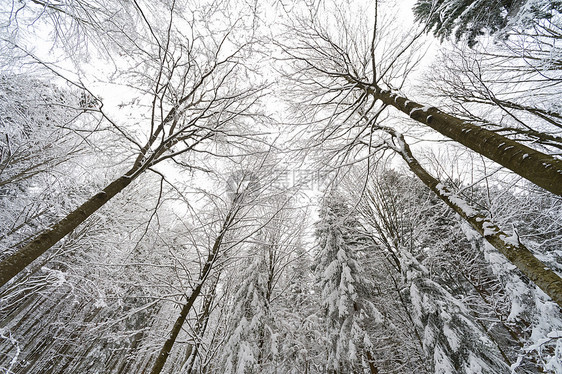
344 288
471 19
463 18
252 340
451 339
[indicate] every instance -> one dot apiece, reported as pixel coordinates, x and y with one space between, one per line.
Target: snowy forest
280 186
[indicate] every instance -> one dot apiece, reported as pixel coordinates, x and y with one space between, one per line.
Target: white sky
96 75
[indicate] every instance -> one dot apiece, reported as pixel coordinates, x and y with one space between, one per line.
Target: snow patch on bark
489 228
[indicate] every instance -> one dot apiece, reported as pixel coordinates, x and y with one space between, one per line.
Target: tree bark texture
510 247
541 169
25 255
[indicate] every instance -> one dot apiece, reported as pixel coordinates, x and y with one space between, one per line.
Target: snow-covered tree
184 104
408 223
347 309
403 214
471 19
452 340
252 342
256 341
468 19
40 149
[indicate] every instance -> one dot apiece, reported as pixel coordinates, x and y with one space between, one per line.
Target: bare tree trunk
168 345
510 247
541 169
201 327
25 255
167 348
370 359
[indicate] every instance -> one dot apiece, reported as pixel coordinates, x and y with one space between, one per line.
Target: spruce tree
344 286
472 18
463 18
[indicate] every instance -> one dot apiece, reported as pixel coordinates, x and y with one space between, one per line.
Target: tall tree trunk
25 255
201 327
371 360
510 247
213 253
167 347
543 170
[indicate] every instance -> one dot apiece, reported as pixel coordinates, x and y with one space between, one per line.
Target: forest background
235 186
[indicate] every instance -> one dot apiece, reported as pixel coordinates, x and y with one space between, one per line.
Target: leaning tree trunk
168 345
25 255
510 247
213 253
371 360
200 328
541 169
